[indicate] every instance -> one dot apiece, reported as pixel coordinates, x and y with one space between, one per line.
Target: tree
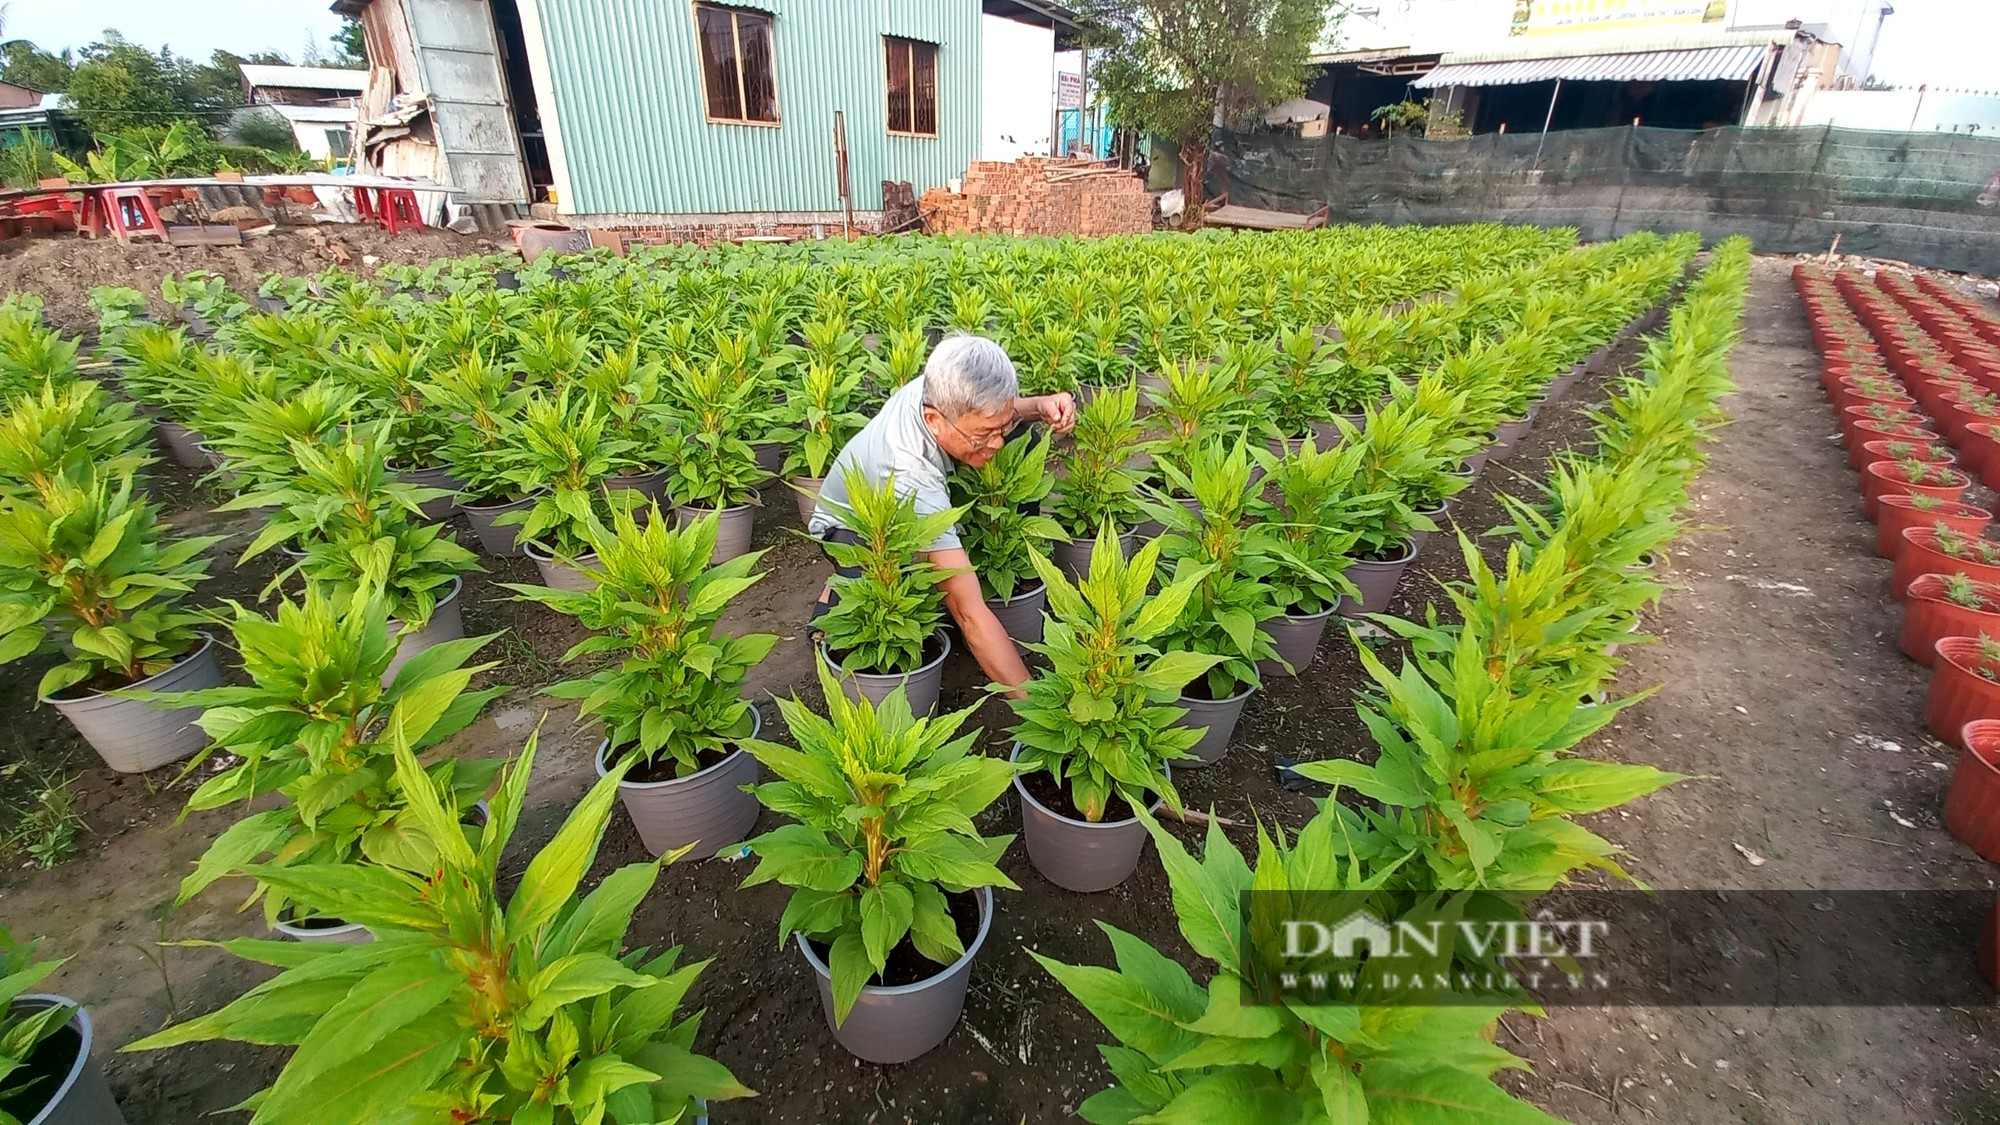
23 64
1172 67
120 85
351 49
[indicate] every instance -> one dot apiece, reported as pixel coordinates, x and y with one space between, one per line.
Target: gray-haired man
960 409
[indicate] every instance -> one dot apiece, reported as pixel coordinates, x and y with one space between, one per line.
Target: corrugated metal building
680 113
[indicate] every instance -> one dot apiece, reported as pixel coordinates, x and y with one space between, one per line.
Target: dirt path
1782 688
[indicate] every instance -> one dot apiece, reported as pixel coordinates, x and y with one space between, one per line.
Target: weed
45 825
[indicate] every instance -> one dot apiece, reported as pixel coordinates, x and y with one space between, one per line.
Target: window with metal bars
912 74
738 73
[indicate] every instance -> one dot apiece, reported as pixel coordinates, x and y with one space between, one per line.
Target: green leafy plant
1098 719
822 411
676 693
480 396
1962 590
21 1031
45 822
1298 385
471 1005
85 572
68 430
883 806
714 466
558 451
1313 522
1948 540
1003 524
1099 490
884 616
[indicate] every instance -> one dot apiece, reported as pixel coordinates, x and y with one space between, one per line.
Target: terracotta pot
1865 432
1897 514
1972 803
301 195
1958 695
1884 478
1919 557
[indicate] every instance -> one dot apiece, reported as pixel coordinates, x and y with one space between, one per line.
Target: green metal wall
629 103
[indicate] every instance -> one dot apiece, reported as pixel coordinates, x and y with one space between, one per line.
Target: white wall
1854 24
1925 111
1017 94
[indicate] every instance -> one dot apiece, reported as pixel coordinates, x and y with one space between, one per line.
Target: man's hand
1058 410
983 633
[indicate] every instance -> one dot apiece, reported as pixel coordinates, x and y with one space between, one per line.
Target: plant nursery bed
1782 694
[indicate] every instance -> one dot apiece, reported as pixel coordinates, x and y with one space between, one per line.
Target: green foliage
32 354
822 411
479 393
470 1005
884 615
68 431
1099 490
1300 385
1200 400
714 466
1098 718
883 806
558 450
317 725
86 573
1313 520
1003 525
676 692
21 1031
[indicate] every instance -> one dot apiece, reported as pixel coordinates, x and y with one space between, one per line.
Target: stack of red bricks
1040 195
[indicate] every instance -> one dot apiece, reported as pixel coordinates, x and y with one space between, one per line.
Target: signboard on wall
1545 17
1069 91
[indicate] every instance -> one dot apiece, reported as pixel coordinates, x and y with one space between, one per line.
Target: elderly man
961 408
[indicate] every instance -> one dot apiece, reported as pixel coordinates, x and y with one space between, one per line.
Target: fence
1928 198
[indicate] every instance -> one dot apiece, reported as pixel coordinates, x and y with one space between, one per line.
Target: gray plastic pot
922 684
556 576
337 933
445 625
1508 434
209 457
770 457
1326 435
1073 557
1021 615
896 1023
1289 447
733 537
806 491
132 736
183 444
1476 464
651 484
708 809
497 540
1377 583
83 1097
1077 855
1217 720
1296 639
1437 515
441 508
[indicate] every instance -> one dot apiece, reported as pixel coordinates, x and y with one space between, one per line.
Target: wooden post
840 164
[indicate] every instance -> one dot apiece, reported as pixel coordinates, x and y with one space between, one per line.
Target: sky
1940 42
193 28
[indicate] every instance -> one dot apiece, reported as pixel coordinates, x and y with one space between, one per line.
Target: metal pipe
1547 121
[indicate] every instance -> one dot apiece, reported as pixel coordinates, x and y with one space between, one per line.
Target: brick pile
1040 195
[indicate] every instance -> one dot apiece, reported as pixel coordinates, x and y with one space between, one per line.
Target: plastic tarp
1928 198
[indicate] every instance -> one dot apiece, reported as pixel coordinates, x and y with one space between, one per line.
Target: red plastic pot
1918 557
1989 946
1929 452
1929 616
1958 693
1972 803
1865 432
1885 478
1979 447
1897 514
1851 392
1882 414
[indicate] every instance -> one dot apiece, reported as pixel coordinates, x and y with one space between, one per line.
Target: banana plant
470 1004
676 692
1099 718
884 615
86 573
882 804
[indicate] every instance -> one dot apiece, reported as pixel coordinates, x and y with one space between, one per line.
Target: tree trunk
1194 184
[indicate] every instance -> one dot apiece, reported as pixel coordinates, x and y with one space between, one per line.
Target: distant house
700 114
317 101
24 112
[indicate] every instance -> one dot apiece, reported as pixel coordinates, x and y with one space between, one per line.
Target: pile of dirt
63 269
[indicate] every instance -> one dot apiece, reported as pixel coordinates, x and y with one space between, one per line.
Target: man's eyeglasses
977 441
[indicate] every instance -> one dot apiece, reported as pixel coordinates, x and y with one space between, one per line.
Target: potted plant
1400 458
559 455
61 431
715 470
822 412
390 377
1099 727
1229 563
46 1072
892 884
1099 488
1972 803
519 1008
883 631
1298 405
85 573
1939 549
1912 477
1200 400
628 389
1896 514
1965 685
675 720
1003 526
1312 522
481 399
1946 605
315 725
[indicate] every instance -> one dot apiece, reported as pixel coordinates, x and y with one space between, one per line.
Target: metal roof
304 77
1707 64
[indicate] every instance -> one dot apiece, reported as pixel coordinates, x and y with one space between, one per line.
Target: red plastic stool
126 212
393 209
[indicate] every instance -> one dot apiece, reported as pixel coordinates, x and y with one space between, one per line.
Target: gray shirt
894 441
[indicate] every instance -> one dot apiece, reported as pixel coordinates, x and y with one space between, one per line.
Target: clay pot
1884 478
1958 693
1897 514
1972 803
1918 557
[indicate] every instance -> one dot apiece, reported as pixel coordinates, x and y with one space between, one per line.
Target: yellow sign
1546 17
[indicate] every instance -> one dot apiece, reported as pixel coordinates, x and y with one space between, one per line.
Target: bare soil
1778 609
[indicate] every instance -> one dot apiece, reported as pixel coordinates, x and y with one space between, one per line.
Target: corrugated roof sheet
304 77
1708 64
